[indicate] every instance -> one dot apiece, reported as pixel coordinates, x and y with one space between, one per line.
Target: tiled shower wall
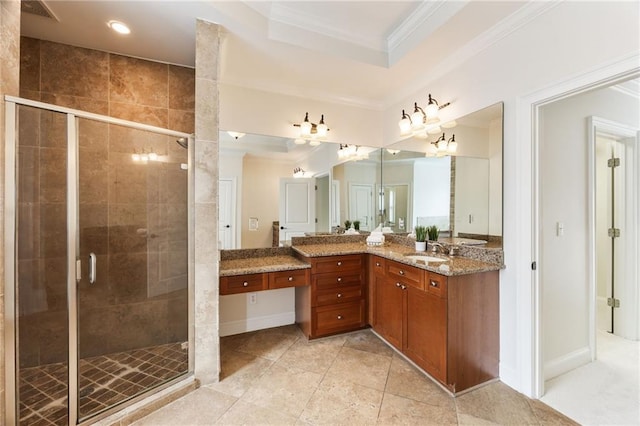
128 88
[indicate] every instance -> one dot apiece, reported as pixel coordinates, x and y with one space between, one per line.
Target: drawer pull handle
245 284
401 272
339 263
377 263
339 317
339 295
398 285
339 279
433 283
290 278
404 287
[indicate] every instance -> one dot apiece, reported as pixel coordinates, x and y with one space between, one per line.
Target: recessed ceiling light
119 27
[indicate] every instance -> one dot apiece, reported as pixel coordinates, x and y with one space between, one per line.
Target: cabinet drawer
323 265
336 280
407 275
329 297
243 283
437 284
284 279
337 318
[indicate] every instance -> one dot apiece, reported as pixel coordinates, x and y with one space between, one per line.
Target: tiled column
9 85
207 351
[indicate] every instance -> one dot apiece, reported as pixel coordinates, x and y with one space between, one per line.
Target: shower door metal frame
73 249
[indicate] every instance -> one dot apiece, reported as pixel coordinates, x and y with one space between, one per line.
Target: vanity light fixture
442 146
298 172
421 117
119 27
310 131
235 135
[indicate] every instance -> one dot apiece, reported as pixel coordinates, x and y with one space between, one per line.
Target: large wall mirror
398 186
461 194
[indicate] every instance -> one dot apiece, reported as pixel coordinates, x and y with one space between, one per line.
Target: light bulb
321 128
405 126
417 120
431 110
305 129
452 147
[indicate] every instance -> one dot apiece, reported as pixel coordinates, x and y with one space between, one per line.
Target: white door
361 204
227 220
297 207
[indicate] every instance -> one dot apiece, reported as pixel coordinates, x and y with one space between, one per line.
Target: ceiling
365 53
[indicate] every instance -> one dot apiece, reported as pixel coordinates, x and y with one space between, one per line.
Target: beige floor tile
548 416
201 407
362 368
244 413
496 403
365 340
403 411
284 390
340 402
314 356
239 371
231 343
407 381
269 344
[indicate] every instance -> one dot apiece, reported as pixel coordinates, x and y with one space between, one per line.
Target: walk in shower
96 223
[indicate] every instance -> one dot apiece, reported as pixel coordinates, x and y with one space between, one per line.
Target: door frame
529 377
598 125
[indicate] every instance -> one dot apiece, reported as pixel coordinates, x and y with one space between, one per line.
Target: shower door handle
92 268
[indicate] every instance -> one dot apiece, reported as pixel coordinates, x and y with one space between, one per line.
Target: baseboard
509 376
567 362
258 323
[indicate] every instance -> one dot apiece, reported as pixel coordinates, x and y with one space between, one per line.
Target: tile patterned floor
104 380
276 376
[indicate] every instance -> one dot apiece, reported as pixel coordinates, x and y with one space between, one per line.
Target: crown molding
532 10
288 16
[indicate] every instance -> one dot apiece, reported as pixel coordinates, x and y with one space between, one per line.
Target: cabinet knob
339 263
339 279
433 283
290 278
245 284
401 272
339 317
398 285
404 287
377 263
339 295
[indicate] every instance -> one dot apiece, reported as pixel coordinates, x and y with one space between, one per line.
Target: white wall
495 177
273 308
564 266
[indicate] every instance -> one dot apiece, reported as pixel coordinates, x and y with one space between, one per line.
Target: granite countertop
452 266
256 265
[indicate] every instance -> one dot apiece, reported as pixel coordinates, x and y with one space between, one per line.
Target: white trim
230 328
96 117
73 253
567 362
529 359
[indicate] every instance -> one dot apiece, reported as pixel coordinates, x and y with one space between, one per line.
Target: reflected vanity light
393 151
235 135
421 117
442 146
348 152
145 157
299 172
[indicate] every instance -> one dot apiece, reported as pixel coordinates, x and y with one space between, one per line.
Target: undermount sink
423 258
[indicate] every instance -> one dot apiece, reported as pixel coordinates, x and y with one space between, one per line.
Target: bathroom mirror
252 168
460 193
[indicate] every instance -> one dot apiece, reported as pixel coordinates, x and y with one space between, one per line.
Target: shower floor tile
104 380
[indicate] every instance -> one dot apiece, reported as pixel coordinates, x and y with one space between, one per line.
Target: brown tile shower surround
104 380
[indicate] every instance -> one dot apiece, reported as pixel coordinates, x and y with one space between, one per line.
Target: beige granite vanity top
256 265
452 266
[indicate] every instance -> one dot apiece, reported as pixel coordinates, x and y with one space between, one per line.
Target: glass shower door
132 295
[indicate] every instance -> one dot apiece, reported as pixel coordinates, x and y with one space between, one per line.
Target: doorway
588 241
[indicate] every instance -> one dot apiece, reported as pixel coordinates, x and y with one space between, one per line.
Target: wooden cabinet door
426 339
389 311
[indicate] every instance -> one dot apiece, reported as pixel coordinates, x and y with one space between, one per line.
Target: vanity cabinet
447 325
335 301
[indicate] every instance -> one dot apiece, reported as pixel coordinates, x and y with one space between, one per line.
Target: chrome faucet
437 247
